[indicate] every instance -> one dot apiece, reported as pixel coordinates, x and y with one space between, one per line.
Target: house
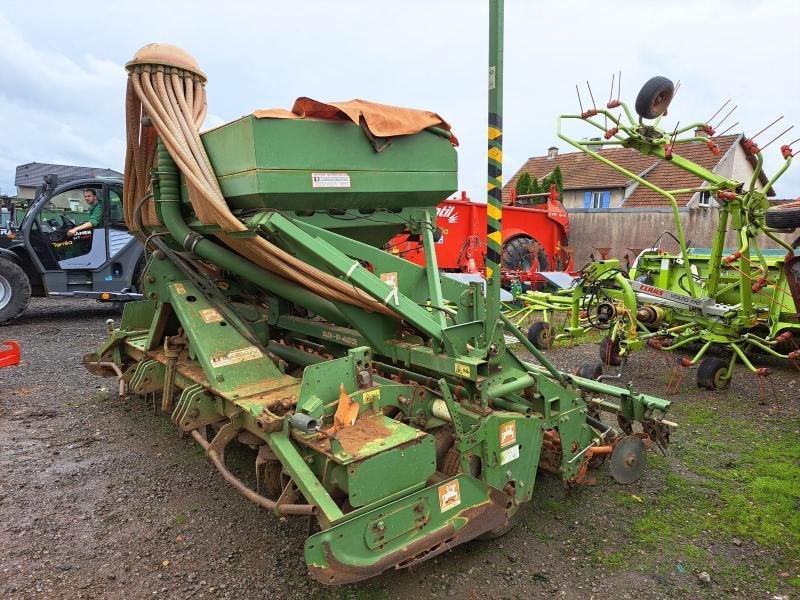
614 215
31 176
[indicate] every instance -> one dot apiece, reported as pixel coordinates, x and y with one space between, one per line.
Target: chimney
552 152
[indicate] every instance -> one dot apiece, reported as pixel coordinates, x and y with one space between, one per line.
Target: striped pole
494 201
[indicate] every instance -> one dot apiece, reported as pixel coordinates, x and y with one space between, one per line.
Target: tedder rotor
737 301
381 398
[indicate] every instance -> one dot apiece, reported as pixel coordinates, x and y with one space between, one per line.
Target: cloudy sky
62 78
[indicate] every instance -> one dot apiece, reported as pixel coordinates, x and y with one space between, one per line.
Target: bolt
220 377
151 279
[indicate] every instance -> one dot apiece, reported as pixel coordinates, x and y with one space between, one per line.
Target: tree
523 184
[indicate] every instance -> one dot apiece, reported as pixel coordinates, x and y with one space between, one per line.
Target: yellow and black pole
494 201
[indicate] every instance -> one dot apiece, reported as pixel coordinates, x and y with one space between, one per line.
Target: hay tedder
737 301
379 398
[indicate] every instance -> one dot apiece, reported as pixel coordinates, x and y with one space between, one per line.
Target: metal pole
494 201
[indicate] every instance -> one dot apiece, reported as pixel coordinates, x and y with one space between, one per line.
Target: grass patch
181 518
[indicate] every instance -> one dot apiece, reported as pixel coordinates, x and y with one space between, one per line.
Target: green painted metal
738 299
403 434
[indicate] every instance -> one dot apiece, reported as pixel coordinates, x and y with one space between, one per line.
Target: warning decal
236 356
508 433
210 315
449 496
330 180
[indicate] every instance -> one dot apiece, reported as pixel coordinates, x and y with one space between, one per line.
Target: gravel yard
101 499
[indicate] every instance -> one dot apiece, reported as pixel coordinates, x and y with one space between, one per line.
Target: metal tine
594 104
611 93
793 142
765 128
726 131
708 121
619 86
787 130
577 91
730 112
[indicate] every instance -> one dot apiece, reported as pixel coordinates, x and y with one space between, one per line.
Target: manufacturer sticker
236 356
508 433
509 454
449 496
372 395
180 289
330 180
463 370
210 315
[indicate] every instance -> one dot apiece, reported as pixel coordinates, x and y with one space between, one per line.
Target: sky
62 78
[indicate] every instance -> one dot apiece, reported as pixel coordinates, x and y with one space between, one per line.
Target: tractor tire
590 370
654 97
609 352
784 217
15 291
709 374
517 257
540 334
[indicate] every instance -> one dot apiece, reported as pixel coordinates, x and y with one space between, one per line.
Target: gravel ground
100 499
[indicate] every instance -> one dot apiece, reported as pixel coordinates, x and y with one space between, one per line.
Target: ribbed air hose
174 101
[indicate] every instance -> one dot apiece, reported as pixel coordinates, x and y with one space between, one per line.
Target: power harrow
380 399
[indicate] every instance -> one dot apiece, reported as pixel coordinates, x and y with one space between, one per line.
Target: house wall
574 198
623 229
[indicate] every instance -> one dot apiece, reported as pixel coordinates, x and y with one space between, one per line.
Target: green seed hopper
400 424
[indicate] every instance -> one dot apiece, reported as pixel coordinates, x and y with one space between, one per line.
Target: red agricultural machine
534 238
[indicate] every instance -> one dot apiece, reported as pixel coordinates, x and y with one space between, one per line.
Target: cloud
429 55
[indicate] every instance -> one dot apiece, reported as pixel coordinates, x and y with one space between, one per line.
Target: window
115 206
595 199
705 199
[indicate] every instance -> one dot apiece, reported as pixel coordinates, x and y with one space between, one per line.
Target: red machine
534 238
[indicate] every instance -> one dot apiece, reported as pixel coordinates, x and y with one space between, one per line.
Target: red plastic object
786 151
10 356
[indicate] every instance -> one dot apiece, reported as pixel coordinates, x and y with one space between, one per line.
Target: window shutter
587 199
606 199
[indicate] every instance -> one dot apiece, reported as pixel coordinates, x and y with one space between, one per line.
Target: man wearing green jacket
95 213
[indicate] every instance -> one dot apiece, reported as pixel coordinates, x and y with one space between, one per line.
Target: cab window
115 207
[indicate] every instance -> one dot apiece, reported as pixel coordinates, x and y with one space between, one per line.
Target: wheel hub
5 292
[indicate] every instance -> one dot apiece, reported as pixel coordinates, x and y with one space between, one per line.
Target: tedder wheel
710 374
517 254
784 217
590 370
540 334
15 291
609 352
654 97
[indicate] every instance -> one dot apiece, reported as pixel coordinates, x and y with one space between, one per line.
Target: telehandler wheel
540 334
784 217
15 291
710 374
654 97
609 352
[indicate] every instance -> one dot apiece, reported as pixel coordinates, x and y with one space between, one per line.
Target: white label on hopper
506 456
236 356
330 180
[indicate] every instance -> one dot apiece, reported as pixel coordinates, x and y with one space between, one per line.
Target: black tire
15 291
590 370
783 217
517 256
709 374
540 334
654 97
609 352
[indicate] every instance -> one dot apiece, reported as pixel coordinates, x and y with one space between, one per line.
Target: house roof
580 171
32 174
